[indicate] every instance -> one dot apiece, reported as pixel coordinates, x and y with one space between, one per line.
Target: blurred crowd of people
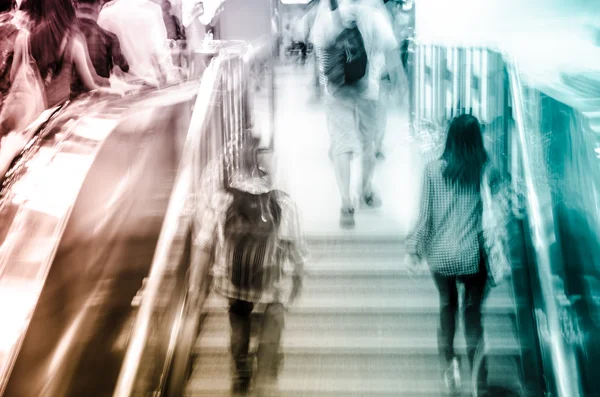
55 50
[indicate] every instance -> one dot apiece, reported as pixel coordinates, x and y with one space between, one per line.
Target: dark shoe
371 201
242 377
240 387
379 155
347 218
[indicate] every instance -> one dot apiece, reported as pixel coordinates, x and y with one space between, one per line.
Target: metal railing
550 312
451 80
172 227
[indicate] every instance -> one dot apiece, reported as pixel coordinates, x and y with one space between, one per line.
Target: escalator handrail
129 370
564 363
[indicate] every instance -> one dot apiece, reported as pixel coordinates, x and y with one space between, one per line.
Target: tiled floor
305 171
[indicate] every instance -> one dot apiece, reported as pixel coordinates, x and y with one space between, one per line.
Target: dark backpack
346 59
251 224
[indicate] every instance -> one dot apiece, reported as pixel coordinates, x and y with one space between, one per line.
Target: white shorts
352 122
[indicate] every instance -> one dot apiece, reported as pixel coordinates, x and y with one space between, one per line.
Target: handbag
26 99
495 220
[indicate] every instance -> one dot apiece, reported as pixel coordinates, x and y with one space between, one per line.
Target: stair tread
397 344
364 321
355 236
397 303
383 283
343 386
356 265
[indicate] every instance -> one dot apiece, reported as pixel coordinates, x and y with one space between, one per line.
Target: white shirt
376 29
141 30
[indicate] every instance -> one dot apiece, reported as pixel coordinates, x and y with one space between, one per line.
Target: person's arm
99 80
180 30
162 54
419 238
10 146
386 42
398 78
120 66
502 191
205 224
204 243
18 54
88 77
118 59
298 253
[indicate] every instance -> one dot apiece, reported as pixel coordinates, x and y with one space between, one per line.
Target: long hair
7 5
52 20
464 153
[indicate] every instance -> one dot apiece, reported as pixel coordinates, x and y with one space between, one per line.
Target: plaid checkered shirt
449 232
288 247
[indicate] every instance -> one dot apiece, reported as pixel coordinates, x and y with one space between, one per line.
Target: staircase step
400 302
404 343
410 376
356 237
383 283
354 266
220 387
355 246
407 367
358 323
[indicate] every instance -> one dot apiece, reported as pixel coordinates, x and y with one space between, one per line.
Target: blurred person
195 32
8 35
103 46
250 230
141 30
287 40
402 23
48 52
59 50
449 236
10 146
400 26
300 33
175 30
353 108
309 20
175 33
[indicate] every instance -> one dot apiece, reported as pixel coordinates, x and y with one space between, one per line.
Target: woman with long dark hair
449 236
58 49
8 35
